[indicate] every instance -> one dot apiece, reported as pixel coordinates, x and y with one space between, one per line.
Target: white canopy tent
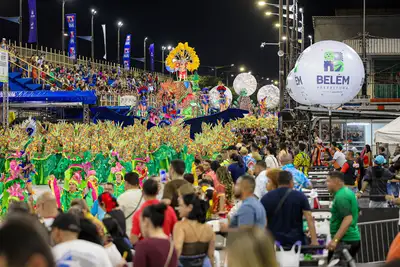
389 134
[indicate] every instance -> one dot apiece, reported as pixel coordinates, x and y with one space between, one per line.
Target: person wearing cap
377 177
71 251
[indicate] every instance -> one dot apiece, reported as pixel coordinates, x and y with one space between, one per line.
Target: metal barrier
376 238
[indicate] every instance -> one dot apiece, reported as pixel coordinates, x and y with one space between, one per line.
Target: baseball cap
67 222
380 160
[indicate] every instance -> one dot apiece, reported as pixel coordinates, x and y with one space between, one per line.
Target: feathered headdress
15 170
76 178
117 169
16 192
143 89
221 88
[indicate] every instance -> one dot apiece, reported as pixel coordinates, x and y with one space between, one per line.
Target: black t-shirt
287 224
119 216
378 177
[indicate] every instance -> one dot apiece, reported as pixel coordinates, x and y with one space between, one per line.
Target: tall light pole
302 28
94 12
120 24
63 26
364 52
20 21
163 48
144 52
281 58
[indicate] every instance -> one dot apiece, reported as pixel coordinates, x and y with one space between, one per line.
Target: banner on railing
127 52
103 26
71 20
127 100
32 22
151 50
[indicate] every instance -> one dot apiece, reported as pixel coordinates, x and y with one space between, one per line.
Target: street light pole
144 52
288 39
162 59
63 26
20 21
302 29
93 13
364 52
281 58
119 37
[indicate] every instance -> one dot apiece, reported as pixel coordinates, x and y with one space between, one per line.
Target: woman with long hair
272 175
194 240
109 204
156 249
223 193
366 155
260 249
237 168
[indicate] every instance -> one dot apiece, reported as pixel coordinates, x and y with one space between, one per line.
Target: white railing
61 58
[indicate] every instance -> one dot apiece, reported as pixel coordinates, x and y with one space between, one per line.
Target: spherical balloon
245 83
269 93
297 94
329 73
214 97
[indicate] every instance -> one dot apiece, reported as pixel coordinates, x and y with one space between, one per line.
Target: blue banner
32 22
127 52
151 50
71 22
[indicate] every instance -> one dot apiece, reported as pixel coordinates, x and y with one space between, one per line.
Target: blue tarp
116 114
225 116
107 113
85 97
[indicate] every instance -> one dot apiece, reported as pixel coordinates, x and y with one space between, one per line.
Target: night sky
222 31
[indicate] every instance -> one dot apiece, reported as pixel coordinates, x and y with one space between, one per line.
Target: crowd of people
252 192
79 77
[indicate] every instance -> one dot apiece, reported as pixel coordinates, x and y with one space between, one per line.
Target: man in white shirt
339 158
71 251
260 171
130 200
46 207
270 160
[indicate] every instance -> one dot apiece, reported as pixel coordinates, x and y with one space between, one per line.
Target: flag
32 22
86 38
71 22
127 52
151 51
12 19
105 41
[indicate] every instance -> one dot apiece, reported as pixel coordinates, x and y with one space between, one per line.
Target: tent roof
390 133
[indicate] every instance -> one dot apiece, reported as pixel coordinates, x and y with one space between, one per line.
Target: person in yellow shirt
302 161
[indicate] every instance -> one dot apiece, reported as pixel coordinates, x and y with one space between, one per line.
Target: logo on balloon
333 61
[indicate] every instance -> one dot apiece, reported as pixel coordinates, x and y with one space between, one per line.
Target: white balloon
245 82
295 92
329 73
214 97
271 92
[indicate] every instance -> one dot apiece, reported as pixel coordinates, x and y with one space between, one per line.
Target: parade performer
143 100
223 103
153 116
55 189
14 187
263 107
141 169
118 179
183 58
73 191
195 82
205 100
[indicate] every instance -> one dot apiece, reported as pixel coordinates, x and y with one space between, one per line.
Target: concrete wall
349 27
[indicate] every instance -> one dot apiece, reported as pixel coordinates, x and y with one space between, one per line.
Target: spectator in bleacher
349 171
285 209
344 216
377 177
339 158
251 212
299 179
302 161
